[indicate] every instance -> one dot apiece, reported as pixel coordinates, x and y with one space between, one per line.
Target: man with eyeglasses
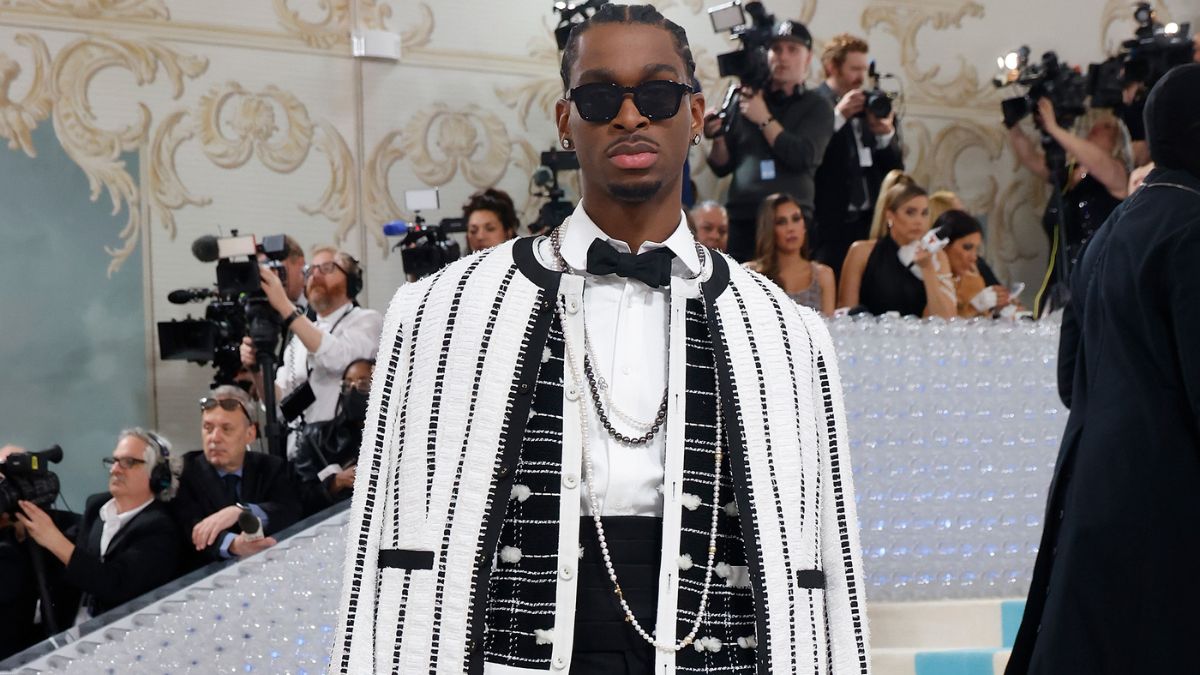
309 377
327 452
776 141
224 479
610 449
127 543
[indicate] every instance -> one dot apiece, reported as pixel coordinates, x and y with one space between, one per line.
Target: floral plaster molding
94 9
233 125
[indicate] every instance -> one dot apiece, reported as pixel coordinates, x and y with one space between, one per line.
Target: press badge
766 169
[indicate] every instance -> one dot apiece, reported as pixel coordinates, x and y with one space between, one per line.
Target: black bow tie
652 268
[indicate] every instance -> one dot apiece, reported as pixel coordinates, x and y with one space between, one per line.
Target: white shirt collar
335 314
582 230
109 511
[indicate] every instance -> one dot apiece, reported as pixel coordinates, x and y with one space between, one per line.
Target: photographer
864 148
491 219
777 140
223 479
127 543
1098 164
327 452
319 350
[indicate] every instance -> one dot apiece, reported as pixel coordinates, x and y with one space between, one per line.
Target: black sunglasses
229 404
655 100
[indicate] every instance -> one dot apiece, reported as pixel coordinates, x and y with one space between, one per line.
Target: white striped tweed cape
457 367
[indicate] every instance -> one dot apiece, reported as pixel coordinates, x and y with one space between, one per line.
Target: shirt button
524 388
502 471
571 480
560 663
572 306
567 573
572 393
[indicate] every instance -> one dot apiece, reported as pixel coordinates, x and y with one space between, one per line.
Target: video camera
425 249
1065 87
238 308
748 63
27 475
571 14
1143 60
556 209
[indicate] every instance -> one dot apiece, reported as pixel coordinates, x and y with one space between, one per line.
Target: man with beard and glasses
606 450
319 350
776 142
327 452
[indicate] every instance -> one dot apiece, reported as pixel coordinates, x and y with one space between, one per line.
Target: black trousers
605 643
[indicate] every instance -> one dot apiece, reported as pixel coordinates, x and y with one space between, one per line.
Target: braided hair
645 15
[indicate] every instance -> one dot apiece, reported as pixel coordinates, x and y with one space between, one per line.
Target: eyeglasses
601 101
125 462
326 268
229 404
363 386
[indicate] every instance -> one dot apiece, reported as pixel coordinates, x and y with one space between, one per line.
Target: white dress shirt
356 336
113 521
627 324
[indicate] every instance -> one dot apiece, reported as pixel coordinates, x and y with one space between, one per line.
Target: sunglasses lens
659 99
597 102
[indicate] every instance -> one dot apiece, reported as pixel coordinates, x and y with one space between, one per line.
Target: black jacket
319 445
265 482
839 169
1114 588
807 121
143 555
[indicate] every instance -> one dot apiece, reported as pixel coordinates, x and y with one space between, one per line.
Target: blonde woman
892 271
781 255
943 201
1097 179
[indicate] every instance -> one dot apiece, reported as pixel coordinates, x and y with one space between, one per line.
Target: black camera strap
331 330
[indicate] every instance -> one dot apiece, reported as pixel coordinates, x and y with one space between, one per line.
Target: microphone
399 228
206 249
250 524
186 295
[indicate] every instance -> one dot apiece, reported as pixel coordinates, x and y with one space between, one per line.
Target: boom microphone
206 249
186 295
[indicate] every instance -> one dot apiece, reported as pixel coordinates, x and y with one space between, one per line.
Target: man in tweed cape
607 450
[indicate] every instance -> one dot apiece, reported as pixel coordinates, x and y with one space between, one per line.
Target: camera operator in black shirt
777 140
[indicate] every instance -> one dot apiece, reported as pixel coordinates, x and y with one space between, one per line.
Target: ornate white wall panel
253 115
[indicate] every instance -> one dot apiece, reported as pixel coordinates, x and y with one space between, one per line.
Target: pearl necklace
594 503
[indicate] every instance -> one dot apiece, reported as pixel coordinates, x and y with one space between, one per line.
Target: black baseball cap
792 30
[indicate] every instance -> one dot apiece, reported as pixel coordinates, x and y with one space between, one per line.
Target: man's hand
248 353
343 480
242 547
881 126
205 532
852 103
276 294
41 528
753 107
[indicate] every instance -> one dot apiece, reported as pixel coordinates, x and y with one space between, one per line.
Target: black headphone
160 475
354 280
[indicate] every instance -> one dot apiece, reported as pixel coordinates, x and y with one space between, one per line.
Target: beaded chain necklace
593 498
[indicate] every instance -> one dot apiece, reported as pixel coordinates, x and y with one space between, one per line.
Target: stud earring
566 143
696 139
889 224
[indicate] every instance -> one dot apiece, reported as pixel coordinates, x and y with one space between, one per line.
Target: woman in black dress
892 271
